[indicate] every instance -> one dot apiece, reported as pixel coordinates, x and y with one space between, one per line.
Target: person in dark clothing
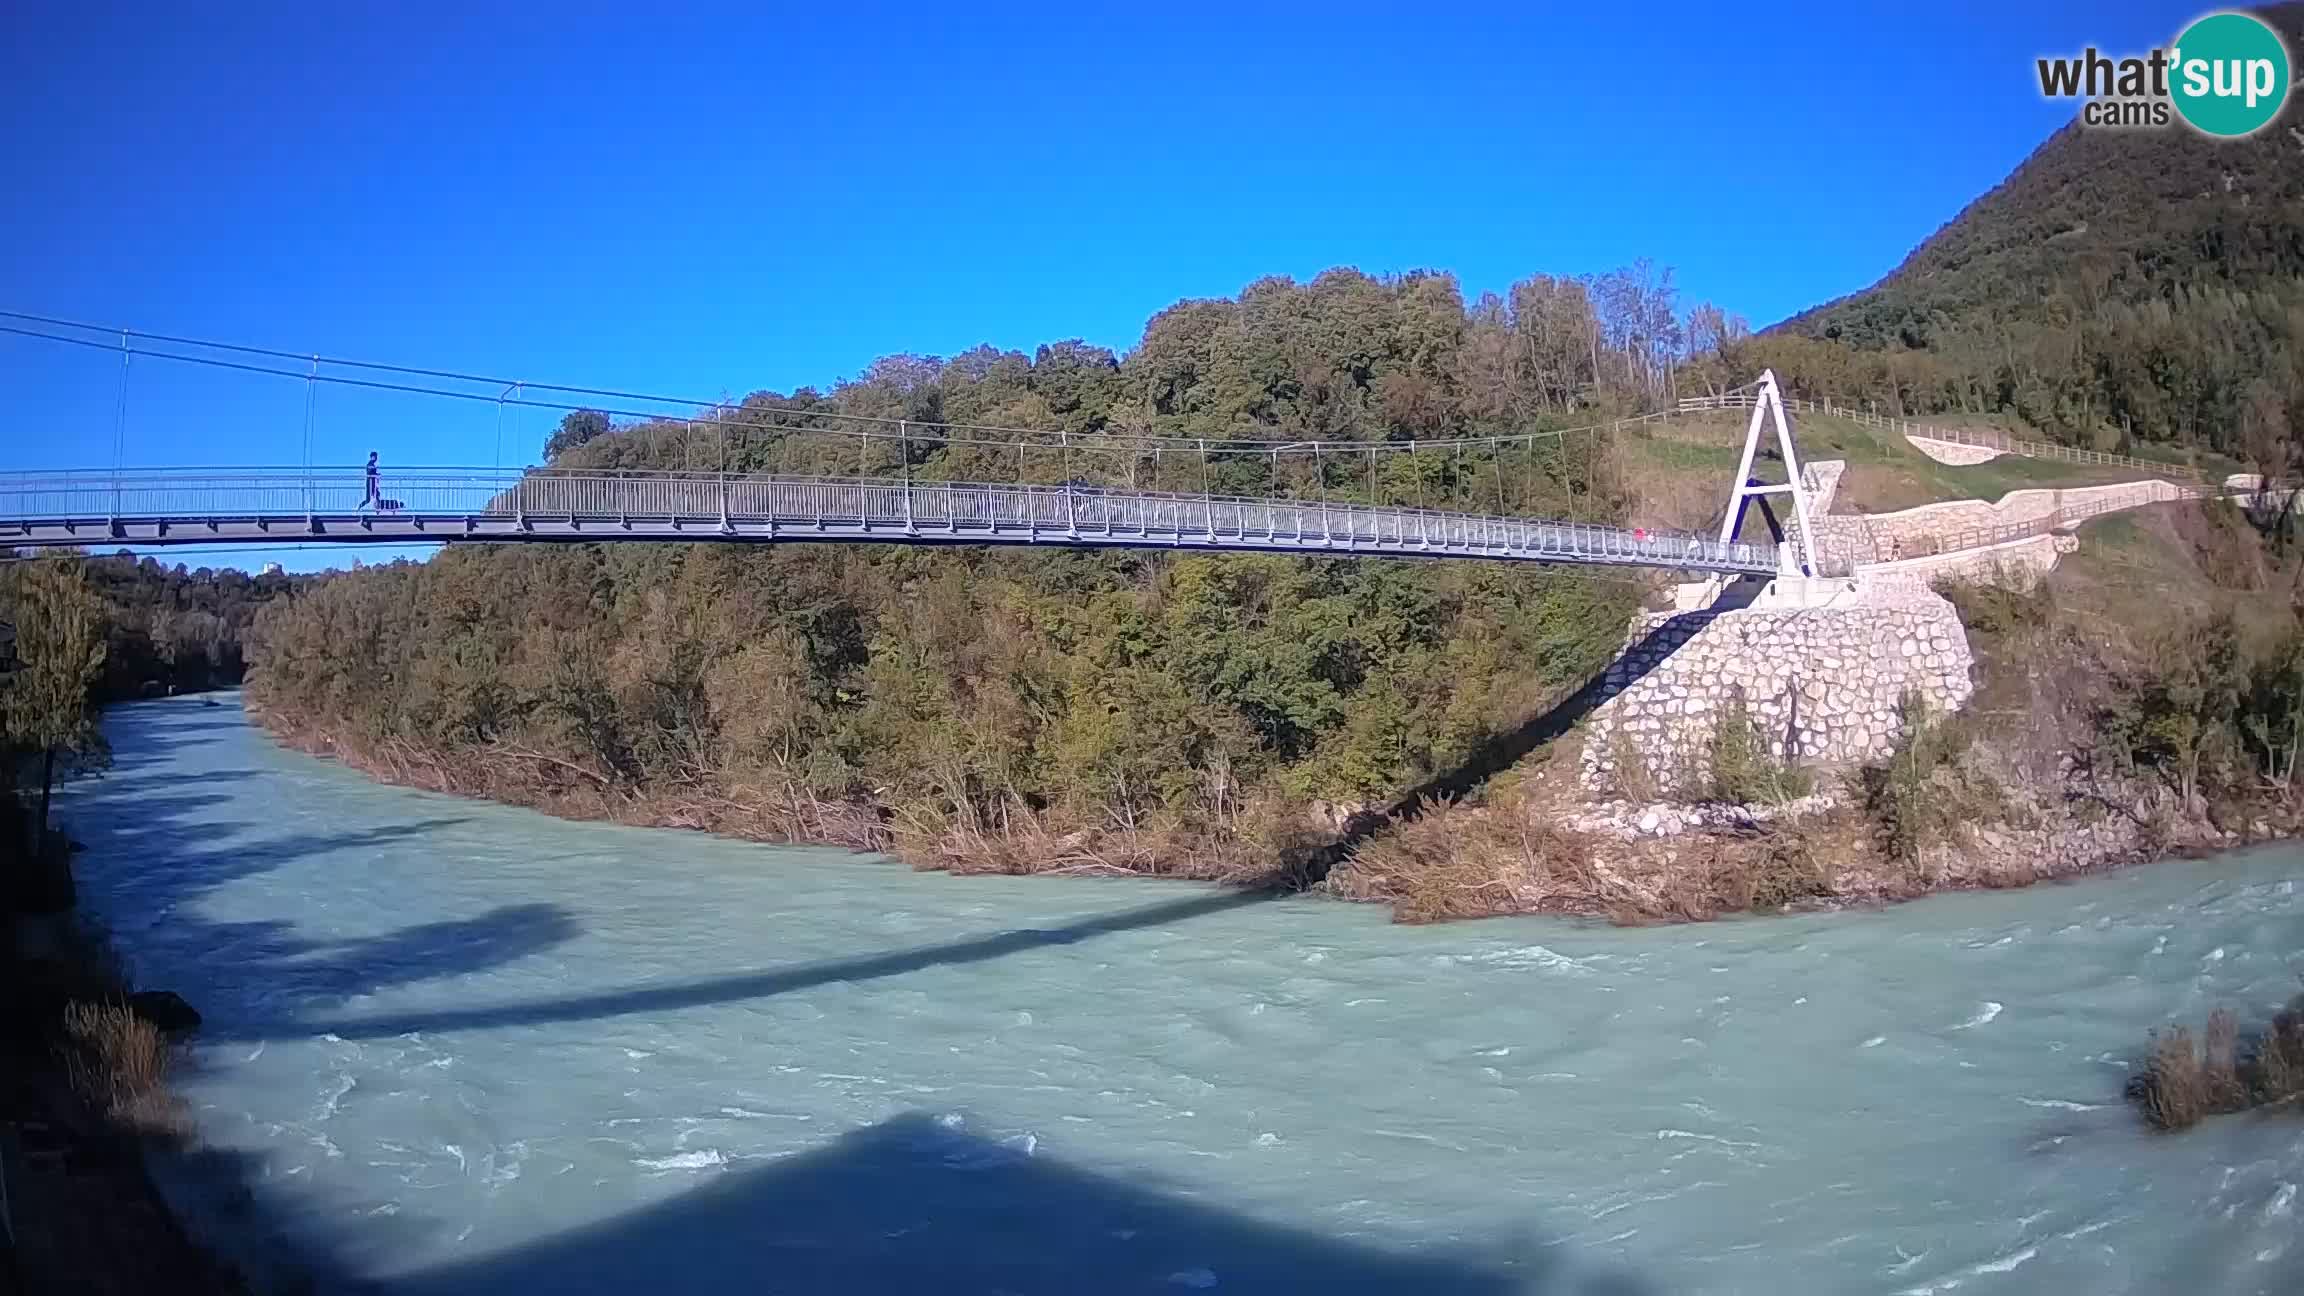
374 495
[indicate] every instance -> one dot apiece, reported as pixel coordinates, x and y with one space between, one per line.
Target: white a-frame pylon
1767 408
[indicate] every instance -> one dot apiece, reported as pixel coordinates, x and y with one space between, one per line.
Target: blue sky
720 199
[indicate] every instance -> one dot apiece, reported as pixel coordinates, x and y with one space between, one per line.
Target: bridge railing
848 505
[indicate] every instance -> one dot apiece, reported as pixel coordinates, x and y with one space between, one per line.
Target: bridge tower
1797 557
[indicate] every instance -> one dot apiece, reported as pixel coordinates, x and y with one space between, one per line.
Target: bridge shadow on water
913 1204
275 982
289 985
158 852
766 982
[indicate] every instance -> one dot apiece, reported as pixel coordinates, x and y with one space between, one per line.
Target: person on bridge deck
373 496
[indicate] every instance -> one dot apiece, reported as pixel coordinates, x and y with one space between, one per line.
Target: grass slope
1677 472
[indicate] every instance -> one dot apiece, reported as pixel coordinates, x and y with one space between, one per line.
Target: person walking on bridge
374 497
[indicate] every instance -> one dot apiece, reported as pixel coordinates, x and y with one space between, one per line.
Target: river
456 1047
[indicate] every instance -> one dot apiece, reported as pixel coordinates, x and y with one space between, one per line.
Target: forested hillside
2121 282
1026 709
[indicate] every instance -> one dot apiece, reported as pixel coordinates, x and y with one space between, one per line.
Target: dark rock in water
210 702
165 1009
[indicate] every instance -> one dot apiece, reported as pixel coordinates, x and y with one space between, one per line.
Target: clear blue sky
729 198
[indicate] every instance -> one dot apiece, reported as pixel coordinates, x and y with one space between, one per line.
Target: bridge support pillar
1797 552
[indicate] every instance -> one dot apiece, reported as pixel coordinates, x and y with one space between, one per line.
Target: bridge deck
260 506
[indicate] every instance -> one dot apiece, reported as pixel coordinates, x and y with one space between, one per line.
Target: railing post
1064 461
1207 491
904 430
1320 480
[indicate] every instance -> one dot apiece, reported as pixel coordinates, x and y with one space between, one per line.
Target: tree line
1345 357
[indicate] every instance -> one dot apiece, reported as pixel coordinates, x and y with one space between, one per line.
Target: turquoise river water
454 1047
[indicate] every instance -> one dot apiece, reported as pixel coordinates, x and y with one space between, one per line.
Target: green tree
49 707
576 428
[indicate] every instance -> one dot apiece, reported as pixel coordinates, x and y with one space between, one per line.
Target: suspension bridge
780 474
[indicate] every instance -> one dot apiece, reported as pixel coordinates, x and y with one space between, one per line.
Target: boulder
165 1009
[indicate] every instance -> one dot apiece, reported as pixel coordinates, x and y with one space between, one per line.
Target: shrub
1925 794
1995 610
2278 1071
1628 770
2169 1092
1743 770
2182 1083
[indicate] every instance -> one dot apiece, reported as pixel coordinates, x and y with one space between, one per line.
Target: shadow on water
766 982
279 981
163 850
914 1205
909 1205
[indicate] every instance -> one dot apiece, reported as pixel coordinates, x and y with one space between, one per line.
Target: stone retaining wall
1824 685
1934 528
2016 564
1956 453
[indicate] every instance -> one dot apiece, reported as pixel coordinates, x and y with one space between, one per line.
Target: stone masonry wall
1933 528
1954 452
1824 685
2015 564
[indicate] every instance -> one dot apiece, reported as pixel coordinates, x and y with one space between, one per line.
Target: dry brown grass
1255 845
1779 869
1507 855
2183 1083
2276 1070
119 1062
1462 861
2171 1091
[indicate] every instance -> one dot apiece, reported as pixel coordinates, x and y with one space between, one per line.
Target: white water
465 1048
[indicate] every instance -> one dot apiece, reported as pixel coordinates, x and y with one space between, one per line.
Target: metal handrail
895 506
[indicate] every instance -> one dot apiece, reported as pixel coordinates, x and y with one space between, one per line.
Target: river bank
1194 721
1531 842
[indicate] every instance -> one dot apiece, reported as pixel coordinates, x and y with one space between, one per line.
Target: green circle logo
2228 74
